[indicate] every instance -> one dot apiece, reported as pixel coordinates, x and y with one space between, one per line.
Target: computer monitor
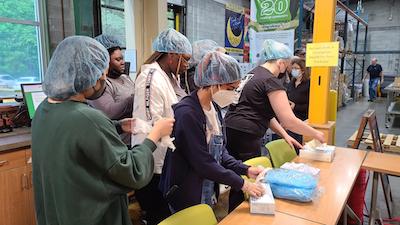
33 95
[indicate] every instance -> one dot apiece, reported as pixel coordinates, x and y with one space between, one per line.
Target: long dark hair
302 63
153 58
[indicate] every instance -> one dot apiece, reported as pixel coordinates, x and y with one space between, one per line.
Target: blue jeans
373 83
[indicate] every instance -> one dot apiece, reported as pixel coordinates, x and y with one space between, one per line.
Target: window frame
40 23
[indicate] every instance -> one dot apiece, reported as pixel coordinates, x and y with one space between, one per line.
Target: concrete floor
348 121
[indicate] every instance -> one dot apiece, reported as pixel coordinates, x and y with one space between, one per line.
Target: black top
300 95
254 111
374 71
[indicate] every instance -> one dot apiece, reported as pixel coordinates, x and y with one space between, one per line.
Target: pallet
390 142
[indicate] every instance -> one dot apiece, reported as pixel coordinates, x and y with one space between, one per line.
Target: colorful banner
268 15
246 47
234 31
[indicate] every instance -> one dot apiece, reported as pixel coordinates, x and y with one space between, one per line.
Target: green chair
259 161
280 152
196 215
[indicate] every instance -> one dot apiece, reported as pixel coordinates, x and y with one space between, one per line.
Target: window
113 19
20 48
175 17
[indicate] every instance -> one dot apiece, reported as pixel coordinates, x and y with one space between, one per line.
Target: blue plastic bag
291 184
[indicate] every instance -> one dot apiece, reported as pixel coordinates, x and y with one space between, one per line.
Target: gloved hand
253 189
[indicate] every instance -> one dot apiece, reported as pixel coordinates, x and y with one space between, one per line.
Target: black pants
152 202
242 146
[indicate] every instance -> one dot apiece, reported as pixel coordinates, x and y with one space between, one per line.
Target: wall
383 33
206 19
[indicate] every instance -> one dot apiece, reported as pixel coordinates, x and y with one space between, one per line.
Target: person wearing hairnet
200 162
82 170
117 100
200 48
262 103
156 90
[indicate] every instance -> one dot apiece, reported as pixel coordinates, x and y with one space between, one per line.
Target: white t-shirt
213 126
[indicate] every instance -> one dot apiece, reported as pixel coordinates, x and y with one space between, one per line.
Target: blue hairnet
200 48
77 63
171 41
274 50
216 68
108 41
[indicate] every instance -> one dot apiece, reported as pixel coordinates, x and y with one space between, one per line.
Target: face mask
223 98
113 73
98 93
295 73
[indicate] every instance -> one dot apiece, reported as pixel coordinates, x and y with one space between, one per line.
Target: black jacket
185 168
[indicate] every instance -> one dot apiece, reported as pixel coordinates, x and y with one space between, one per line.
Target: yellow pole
324 23
177 23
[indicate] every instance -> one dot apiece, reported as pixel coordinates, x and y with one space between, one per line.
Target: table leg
352 214
373 210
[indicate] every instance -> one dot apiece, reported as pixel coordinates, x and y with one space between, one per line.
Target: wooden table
381 163
241 215
336 180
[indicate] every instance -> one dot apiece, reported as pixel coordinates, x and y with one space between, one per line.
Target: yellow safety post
332 107
333 111
320 76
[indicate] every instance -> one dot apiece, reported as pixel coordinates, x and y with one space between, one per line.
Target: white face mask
223 98
295 73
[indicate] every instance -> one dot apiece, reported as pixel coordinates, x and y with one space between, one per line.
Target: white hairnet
171 41
216 68
275 50
77 63
200 48
108 41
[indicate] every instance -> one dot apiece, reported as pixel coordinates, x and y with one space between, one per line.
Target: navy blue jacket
185 168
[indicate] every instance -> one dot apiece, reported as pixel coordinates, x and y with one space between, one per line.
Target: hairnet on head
77 63
171 41
108 41
200 48
216 68
272 50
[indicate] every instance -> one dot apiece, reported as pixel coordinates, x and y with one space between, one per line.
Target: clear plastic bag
143 127
292 185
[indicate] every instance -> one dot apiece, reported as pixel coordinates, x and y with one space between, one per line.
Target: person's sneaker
370 100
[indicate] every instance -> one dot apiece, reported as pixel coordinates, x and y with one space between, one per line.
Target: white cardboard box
265 204
326 155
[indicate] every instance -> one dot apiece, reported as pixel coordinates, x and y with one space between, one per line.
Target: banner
267 15
234 31
272 19
246 47
284 36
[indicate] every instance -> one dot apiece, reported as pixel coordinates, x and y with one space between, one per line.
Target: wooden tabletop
382 162
241 216
335 181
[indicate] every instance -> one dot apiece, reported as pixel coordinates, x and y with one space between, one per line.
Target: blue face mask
295 73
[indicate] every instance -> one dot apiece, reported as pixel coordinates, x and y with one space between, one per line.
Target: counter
20 137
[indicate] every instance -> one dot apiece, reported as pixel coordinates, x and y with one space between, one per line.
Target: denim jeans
373 83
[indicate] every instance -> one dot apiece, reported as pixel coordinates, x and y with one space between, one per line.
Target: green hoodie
82 170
